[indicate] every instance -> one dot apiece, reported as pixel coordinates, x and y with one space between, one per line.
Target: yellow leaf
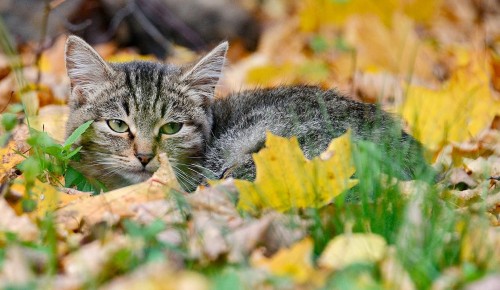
458 111
286 179
295 262
8 160
396 49
47 197
316 13
347 249
309 71
51 119
129 56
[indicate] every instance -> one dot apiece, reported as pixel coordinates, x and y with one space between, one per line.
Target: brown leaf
159 275
394 275
21 225
16 268
458 175
9 157
91 258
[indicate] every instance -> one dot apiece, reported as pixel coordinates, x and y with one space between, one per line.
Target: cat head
140 109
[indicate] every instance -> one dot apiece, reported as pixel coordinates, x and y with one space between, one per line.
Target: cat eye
170 128
117 125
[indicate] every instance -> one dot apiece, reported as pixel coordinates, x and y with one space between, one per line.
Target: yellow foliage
346 249
287 180
47 197
129 56
316 13
458 111
313 71
9 159
295 262
396 50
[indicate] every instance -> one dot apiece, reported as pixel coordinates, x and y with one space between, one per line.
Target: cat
141 109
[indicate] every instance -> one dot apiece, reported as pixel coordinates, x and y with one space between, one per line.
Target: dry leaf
47 197
159 275
9 159
459 110
21 225
347 249
51 119
317 13
458 175
9 156
397 50
287 180
394 275
16 268
90 259
295 262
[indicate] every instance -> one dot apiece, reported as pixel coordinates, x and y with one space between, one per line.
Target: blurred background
435 62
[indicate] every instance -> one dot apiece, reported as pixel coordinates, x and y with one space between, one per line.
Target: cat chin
138 176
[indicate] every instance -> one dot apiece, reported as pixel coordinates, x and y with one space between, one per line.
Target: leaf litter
430 67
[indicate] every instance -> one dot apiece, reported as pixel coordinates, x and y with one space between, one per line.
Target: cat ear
205 74
86 69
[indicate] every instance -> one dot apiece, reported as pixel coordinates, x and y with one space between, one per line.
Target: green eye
117 125
170 128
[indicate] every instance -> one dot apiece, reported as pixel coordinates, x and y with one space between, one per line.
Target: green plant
49 161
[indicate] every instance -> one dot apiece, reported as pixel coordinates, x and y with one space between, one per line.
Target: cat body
141 109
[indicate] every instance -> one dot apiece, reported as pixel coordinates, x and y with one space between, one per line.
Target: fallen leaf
91 258
9 155
395 50
317 13
51 119
159 275
491 281
21 225
16 268
458 175
47 197
287 180
394 275
347 249
458 111
294 262
9 158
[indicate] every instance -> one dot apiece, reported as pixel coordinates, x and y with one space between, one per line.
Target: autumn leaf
51 119
458 111
16 223
397 50
128 56
47 197
310 71
295 261
317 13
347 249
286 179
8 160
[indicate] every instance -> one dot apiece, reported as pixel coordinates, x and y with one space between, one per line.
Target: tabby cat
141 109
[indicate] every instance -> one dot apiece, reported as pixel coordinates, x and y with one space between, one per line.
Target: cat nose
144 158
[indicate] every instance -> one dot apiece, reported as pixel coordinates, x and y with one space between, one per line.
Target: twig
118 18
160 13
43 35
150 28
